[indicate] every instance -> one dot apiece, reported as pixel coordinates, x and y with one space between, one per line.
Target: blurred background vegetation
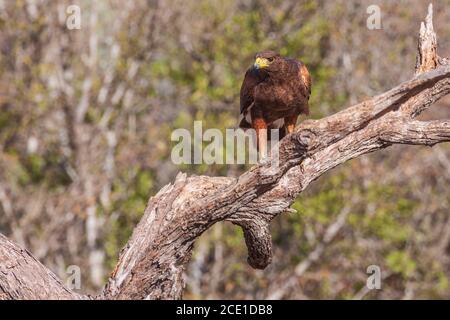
86 117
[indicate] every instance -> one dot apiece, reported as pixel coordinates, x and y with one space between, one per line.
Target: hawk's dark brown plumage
275 91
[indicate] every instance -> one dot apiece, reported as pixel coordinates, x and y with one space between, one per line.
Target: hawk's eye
270 59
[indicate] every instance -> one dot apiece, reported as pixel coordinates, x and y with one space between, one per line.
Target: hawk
275 91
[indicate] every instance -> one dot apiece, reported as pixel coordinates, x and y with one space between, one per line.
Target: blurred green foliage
179 81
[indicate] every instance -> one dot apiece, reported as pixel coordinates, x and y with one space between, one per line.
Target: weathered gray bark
152 263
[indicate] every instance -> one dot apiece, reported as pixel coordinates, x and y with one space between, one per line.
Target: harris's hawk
275 91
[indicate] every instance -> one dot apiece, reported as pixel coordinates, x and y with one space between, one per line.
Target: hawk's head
269 61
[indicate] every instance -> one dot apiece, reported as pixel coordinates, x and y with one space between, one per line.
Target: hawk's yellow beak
261 63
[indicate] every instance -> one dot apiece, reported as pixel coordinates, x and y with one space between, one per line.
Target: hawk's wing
306 79
251 80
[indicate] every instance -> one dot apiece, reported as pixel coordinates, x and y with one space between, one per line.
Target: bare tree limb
23 277
427 57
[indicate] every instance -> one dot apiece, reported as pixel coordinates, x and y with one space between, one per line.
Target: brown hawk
275 91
